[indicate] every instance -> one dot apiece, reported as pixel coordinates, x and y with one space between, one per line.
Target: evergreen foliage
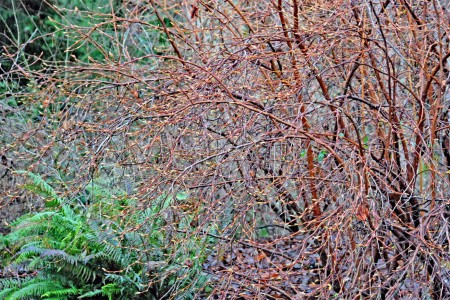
69 251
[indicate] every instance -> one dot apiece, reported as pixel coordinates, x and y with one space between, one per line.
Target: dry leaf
362 212
260 256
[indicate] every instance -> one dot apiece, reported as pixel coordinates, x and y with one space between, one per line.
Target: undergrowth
70 251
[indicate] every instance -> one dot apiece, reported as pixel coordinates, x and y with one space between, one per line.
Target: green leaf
303 153
321 155
182 196
264 233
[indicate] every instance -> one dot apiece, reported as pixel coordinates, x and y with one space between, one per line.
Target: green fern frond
94 256
58 294
118 255
49 229
121 280
110 289
41 223
60 261
35 288
4 293
33 219
25 255
7 283
83 272
39 186
60 255
90 294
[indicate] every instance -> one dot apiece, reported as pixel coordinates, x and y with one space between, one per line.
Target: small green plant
69 251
